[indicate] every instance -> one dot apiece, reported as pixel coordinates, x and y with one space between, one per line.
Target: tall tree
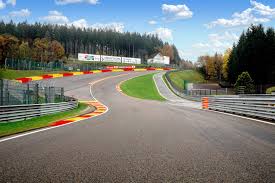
8 47
226 56
24 51
255 53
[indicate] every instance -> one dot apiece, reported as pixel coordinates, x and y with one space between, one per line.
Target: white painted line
243 117
158 88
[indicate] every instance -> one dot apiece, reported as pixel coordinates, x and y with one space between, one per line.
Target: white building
159 59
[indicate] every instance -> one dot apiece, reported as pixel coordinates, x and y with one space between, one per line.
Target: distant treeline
253 53
87 40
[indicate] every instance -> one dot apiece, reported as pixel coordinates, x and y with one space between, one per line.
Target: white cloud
176 12
163 33
81 23
152 22
246 17
2 5
263 9
116 26
20 13
218 42
55 17
238 19
64 2
215 43
12 2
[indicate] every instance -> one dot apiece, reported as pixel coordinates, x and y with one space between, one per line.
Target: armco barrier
259 107
51 76
21 112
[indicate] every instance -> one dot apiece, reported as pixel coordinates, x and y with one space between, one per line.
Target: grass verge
189 75
142 87
39 122
14 74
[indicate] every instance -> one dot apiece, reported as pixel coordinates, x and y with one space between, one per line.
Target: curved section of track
141 141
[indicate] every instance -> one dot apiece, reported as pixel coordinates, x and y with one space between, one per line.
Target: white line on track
243 117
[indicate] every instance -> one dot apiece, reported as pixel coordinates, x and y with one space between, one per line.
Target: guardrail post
205 103
7 97
62 94
1 92
28 93
46 94
36 93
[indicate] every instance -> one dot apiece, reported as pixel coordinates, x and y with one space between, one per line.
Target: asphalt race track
141 141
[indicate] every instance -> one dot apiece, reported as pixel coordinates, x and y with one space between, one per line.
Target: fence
194 94
260 106
22 112
206 92
19 64
15 93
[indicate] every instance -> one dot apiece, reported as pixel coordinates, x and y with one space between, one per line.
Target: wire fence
15 93
19 64
194 94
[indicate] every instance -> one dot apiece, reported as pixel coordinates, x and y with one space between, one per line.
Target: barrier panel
248 105
12 113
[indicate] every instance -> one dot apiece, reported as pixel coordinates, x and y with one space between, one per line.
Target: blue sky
196 27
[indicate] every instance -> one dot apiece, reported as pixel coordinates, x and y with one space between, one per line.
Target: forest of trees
211 66
254 53
94 41
42 50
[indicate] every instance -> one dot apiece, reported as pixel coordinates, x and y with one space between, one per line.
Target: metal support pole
7 94
46 95
62 94
36 93
1 92
28 93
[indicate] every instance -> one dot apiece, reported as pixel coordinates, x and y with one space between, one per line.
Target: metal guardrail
12 113
262 106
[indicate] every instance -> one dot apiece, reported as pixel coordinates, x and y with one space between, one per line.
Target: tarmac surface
141 141
170 96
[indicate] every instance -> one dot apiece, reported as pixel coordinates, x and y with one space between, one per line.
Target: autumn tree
57 51
225 63
211 66
24 50
8 47
167 50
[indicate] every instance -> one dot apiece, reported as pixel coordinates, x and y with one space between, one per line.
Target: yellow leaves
225 62
167 50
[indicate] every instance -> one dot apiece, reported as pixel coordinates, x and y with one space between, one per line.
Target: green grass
39 122
142 87
14 74
189 75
